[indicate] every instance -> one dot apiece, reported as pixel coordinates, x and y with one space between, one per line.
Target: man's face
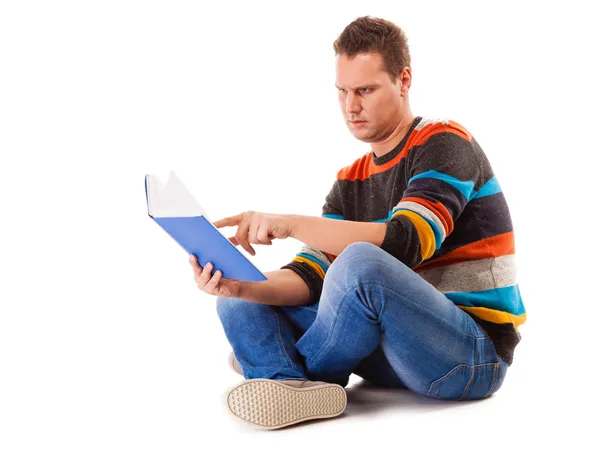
371 102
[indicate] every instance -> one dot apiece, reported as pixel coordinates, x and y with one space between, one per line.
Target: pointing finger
228 221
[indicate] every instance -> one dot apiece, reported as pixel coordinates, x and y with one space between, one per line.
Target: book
177 212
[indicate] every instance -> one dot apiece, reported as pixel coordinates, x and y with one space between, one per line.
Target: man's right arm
299 282
282 288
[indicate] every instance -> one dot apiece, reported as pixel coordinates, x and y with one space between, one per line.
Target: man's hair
370 34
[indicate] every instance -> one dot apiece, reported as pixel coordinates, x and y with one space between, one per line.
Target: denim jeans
376 318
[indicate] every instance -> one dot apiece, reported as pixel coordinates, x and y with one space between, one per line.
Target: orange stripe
317 268
359 170
437 208
330 256
495 316
503 244
364 167
435 128
426 236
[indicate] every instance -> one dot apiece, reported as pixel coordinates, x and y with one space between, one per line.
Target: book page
172 199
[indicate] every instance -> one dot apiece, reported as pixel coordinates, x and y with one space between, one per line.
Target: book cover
177 212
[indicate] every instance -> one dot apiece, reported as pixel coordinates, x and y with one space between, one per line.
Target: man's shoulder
426 128
358 169
430 126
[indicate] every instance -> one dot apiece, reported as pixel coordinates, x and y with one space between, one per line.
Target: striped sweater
446 217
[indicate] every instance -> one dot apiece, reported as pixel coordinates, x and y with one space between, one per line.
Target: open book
179 214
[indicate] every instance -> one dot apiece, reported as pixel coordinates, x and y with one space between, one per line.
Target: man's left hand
257 228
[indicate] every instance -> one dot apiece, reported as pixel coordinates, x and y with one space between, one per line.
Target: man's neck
388 144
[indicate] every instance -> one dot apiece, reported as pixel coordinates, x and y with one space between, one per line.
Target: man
408 279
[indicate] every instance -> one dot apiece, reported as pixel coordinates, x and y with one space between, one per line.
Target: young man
408 280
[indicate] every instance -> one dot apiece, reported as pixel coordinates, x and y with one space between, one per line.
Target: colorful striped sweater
447 219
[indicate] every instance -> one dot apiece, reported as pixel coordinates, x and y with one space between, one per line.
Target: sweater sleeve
444 172
311 264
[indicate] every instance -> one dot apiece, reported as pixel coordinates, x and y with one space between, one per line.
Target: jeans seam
495 380
473 369
280 341
464 394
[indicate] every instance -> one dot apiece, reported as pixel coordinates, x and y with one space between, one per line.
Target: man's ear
405 80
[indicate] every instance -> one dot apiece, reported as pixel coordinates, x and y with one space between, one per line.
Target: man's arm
445 174
282 288
311 264
333 236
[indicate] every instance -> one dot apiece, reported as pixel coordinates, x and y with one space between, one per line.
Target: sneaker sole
270 404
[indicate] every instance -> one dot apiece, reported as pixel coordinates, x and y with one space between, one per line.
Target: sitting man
407 280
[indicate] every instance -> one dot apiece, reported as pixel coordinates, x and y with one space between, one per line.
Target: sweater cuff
310 277
402 241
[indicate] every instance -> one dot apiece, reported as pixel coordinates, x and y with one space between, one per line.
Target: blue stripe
312 258
490 188
501 299
464 187
338 217
436 230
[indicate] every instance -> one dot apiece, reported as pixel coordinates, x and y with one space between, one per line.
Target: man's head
373 77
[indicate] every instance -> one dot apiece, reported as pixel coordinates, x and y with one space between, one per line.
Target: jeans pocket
465 382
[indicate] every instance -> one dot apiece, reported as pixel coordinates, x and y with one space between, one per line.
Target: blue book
176 211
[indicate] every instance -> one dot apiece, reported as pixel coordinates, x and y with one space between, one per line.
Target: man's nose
352 104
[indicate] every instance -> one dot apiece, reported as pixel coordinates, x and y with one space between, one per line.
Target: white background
105 340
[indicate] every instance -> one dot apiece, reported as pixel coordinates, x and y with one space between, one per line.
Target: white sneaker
234 364
274 404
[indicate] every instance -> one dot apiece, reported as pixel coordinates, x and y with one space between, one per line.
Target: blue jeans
376 318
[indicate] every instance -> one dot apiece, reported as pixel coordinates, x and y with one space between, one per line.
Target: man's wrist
294 224
242 290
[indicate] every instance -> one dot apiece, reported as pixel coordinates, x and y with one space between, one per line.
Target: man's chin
361 135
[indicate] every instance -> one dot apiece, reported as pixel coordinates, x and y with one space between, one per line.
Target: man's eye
341 90
365 90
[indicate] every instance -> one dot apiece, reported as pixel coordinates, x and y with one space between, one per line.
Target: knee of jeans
357 262
357 250
354 256
227 306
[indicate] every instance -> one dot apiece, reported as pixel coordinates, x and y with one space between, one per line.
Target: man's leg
371 299
276 393
262 338
374 368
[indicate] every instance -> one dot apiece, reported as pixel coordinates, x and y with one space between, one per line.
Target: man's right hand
214 285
